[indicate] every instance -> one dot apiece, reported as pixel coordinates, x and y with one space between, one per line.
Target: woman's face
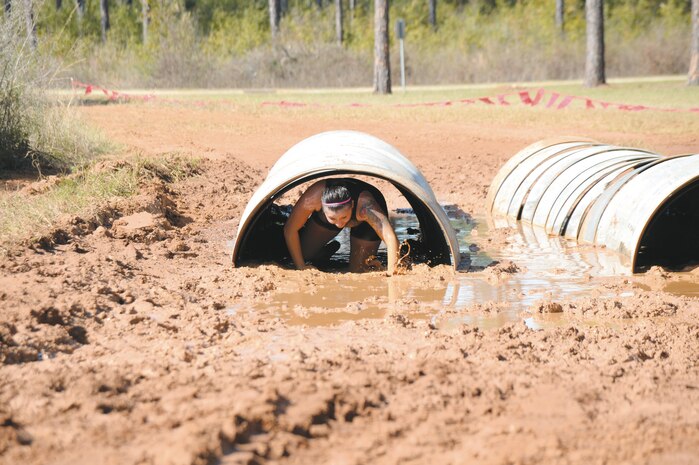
339 218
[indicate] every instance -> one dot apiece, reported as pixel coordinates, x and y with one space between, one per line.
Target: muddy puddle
479 293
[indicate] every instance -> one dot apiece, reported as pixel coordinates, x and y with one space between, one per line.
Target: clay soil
130 339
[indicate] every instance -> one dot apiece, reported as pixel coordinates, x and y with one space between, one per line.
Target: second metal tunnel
638 203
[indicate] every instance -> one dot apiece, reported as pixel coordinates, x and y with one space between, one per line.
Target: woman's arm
306 205
370 211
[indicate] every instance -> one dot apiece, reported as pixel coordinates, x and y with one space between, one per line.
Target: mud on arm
378 220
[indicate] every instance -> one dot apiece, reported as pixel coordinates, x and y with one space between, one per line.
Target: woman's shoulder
366 196
316 189
366 202
311 198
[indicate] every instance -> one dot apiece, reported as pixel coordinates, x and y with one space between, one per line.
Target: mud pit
133 341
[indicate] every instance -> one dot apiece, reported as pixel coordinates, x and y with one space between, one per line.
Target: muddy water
686 284
550 268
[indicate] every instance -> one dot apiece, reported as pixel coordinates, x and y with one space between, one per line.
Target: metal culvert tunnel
640 204
337 153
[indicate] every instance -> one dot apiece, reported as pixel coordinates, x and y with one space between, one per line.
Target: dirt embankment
129 339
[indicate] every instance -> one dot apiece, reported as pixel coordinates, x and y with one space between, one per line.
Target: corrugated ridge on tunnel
600 194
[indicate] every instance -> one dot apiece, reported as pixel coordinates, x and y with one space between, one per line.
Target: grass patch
661 91
336 105
84 193
64 141
669 93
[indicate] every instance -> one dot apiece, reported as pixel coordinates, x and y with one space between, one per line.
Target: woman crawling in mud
325 209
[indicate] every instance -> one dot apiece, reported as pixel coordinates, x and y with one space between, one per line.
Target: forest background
229 43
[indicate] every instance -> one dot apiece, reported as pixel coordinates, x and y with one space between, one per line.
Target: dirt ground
134 341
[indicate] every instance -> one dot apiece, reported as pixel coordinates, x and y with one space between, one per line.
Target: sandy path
150 355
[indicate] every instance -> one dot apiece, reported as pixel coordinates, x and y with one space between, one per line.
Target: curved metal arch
568 198
553 170
351 152
577 221
605 195
632 209
513 181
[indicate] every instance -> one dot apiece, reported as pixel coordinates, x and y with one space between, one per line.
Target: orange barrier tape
554 100
115 96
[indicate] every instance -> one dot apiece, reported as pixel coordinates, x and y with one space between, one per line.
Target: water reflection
551 268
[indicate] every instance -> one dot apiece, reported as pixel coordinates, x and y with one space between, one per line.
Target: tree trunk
432 4
594 62
104 19
30 23
274 18
81 9
560 16
145 20
283 7
694 57
352 6
339 31
382 63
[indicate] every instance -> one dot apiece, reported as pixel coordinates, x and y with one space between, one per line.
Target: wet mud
128 338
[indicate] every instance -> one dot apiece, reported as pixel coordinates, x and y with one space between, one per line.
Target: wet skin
306 240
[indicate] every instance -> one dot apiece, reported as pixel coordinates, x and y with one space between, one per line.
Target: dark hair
336 192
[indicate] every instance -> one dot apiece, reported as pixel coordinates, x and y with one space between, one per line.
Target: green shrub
33 128
18 77
204 43
234 34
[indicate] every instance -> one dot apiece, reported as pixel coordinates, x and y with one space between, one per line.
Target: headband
336 204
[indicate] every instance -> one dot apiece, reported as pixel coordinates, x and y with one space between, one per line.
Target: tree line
594 59
345 11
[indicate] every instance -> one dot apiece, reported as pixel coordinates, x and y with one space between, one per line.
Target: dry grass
29 216
65 140
33 128
663 92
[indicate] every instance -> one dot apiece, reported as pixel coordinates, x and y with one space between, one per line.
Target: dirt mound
499 271
155 214
67 283
41 186
544 306
640 305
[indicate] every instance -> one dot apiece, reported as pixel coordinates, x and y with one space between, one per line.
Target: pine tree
694 58
382 63
594 62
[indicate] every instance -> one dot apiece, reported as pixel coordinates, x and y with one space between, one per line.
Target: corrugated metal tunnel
640 204
336 153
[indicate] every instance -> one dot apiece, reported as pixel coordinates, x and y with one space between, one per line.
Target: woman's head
337 203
